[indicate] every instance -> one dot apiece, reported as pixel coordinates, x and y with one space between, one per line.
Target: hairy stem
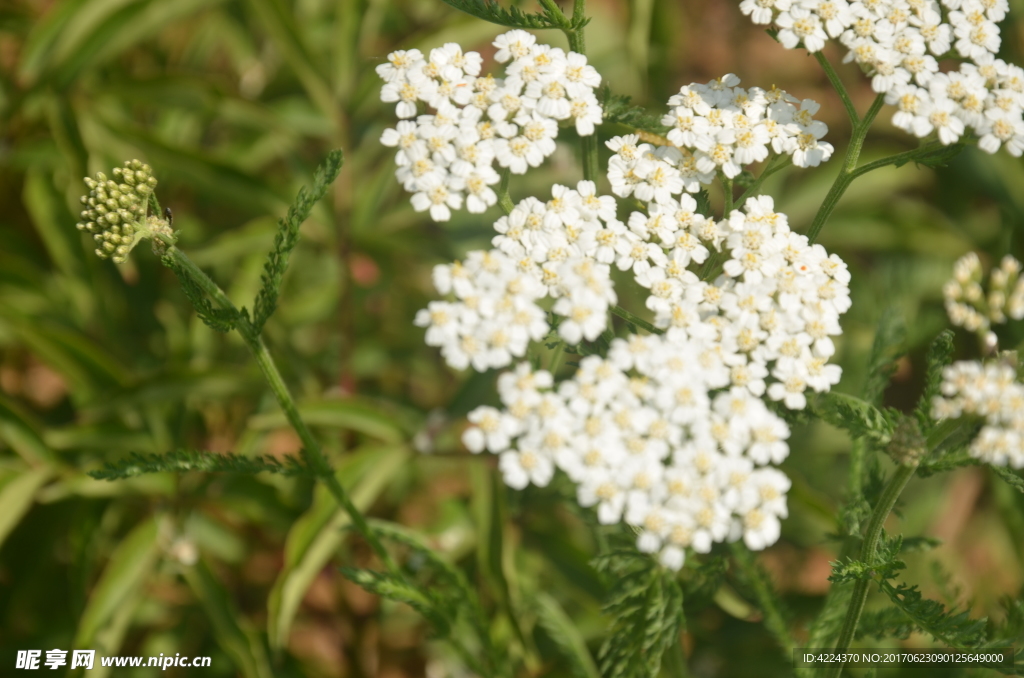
310 447
890 494
774 620
839 87
578 44
873 533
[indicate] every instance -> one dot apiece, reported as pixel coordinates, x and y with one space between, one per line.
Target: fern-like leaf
645 604
887 348
137 464
219 319
391 587
288 236
859 417
955 629
490 10
940 354
618 109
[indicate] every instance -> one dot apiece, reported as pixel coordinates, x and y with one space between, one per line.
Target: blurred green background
234 103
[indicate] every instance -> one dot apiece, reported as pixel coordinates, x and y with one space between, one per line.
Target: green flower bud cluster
115 209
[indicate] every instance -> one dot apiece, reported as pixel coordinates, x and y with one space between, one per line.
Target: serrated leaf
391 587
887 348
137 464
858 417
288 236
490 10
940 354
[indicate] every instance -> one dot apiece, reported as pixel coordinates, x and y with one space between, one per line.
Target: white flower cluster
720 126
901 42
773 310
560 249
648 443
448 157
970 307
990 391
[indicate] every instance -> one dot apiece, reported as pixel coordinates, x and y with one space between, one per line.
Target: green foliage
932 155
198 460
220 319
619 110
887 622
288 236
645 605
434 607
955 629
490 10
940 354
887 348
860 418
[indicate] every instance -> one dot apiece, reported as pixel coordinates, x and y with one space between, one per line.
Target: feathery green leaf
645 604
137 464
940 354
490 10
288 236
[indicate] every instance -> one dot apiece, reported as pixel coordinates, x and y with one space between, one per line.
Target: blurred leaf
19 431
17 495
44 204
350 414
279 21
234 634
127 569
888 347
559 626
316 535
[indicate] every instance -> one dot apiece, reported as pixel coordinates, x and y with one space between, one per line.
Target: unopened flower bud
907 446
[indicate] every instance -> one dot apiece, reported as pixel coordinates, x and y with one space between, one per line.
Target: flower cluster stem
873 533
636 320
849 171
310 447
578 43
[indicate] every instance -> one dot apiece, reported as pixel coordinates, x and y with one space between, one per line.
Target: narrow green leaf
561 629
17 496
234 634
279 22
349 414
316 536
21 433
127 569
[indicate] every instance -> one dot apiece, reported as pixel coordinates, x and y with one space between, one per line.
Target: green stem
727 191
774 620
311 448
504 201
639 322
775 163
840 88
578 43
882 509
848 173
